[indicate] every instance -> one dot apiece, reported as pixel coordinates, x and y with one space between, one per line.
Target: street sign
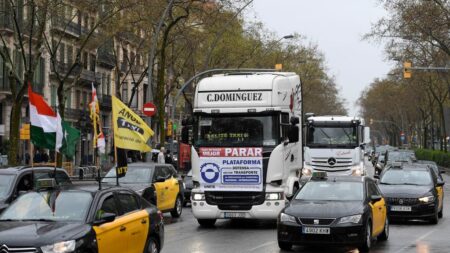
149 109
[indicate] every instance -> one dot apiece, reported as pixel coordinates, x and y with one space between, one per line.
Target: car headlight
307 170
287 218
198 196
427 199
60 247
274 196
350 219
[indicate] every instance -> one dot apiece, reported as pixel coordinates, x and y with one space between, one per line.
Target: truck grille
402 201
323 162
234 199
6 249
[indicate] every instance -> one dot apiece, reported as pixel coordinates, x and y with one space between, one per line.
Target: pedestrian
27 158
37 157
45 157
161 155
168 157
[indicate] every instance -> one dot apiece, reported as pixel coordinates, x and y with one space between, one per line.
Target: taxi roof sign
319 175
46 183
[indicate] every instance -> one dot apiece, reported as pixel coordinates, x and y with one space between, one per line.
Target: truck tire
206 223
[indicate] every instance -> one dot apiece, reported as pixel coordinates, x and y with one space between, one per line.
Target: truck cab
247 148
335 144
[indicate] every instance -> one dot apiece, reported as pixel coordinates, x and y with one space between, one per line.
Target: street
185 235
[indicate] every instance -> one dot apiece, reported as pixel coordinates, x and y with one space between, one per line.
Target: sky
337 27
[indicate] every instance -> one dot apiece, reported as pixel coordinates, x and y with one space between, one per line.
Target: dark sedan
335 210
411 192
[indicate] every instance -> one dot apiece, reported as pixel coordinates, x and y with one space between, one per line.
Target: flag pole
115 147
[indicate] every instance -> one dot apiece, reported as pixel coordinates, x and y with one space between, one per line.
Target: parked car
15 181
157 183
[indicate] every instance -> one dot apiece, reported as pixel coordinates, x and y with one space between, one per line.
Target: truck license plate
316 230
401 208
229 215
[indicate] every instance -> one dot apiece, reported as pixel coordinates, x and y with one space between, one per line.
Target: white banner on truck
231 169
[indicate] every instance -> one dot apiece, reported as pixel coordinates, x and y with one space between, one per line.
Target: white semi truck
247 149
335 144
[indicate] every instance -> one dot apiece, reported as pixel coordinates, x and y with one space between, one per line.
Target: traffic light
25 132
407 73
169 128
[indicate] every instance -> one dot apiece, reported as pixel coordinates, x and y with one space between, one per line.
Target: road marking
417 240
261 246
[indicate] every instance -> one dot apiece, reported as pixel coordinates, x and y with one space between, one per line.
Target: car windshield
134 175
5 184
331 191
408 177
332 136
234 130
49 205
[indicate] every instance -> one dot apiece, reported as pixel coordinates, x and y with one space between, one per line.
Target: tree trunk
14 137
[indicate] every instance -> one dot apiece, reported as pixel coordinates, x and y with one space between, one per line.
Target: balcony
88 77
106 60
66 26
63 68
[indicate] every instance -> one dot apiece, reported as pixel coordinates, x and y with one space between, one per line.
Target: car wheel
285 245
207 223
385 235
435 219
178 208
441 213
152 245
365 247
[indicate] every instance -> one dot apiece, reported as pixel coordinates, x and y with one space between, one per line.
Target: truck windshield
332 137
237 130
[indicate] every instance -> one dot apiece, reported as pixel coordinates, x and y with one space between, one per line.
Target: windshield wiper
411 184
45 220
9 220
386 183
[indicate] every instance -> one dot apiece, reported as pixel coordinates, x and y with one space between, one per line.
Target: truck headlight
426 199
357 170
350 219
60 247
274 196
198 196
307 170
287 218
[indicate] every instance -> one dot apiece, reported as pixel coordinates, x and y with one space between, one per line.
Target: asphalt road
185 235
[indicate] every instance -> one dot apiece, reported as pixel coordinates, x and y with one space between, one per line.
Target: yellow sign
130 130
278 66
407 73
169 128
25 132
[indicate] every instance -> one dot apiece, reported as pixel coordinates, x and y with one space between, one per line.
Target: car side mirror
375 198
440 183
160 179
105 218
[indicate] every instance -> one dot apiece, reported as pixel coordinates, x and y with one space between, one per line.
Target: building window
62 57
70 54
39 75
124 92
69 99
53 94
135 101
92 62
78 99
85 60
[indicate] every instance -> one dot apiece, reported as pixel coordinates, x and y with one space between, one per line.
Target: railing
63 68
89 76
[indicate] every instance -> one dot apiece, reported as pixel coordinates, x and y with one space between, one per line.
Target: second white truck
335 144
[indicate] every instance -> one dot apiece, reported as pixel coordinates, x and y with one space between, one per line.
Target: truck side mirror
366 135
295 120
293 134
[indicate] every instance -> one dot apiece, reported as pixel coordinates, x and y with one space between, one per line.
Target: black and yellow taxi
412 191
81 219
334 210
157 183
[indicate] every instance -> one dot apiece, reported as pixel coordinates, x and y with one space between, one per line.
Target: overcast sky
337 27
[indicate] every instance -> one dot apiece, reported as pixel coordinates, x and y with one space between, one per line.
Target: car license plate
228 215
401 208
316 230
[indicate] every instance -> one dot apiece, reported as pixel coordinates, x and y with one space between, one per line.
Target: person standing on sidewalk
161 155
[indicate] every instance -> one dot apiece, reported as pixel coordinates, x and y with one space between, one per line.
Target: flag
99 138
71 136
44 122
130 130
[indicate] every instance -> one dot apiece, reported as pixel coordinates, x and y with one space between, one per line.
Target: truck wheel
207 223
177 209
285 245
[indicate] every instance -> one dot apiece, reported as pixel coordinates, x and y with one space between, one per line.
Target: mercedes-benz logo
316 222
332 161
400 201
